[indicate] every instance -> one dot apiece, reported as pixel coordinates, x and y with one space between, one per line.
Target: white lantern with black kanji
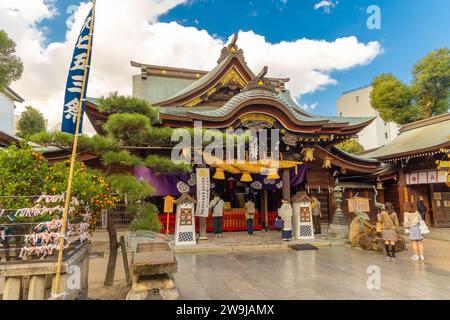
185 221
303 222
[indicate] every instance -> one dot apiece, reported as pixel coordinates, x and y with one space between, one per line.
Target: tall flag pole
73 116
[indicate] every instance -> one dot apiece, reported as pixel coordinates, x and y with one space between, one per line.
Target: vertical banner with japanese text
203 189
75 93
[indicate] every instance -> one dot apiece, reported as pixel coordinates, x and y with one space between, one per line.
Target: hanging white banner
203 188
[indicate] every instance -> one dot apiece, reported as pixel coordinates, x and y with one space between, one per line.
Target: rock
169 294
153 282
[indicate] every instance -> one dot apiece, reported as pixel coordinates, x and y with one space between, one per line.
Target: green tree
426 96
350 146
393 99
11 66
129 130
431 83
31 121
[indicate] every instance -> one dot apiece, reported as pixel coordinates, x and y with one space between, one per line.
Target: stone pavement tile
189 286
327 273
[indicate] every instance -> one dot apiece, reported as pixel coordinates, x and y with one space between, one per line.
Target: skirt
389 235
286 234
414 233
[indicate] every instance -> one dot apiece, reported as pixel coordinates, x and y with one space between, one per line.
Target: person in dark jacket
421 208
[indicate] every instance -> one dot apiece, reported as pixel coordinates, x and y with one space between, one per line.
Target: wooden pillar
265 210
402 191
431 208
286 184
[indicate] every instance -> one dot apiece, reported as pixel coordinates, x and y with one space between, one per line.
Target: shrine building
231 95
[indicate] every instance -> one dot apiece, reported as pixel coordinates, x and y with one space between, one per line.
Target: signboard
358 202
424 177
203 190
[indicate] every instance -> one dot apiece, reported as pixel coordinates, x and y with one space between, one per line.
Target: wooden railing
233 220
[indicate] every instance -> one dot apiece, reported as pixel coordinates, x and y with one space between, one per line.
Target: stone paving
333 272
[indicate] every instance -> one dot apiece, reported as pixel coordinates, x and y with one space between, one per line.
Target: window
340 114
386 135
357 98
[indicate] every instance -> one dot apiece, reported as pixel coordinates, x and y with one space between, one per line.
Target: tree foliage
115 104
11 67
22 172
427 95
431 83
25 173
350 146
31 121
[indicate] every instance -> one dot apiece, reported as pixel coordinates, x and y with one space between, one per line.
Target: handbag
279 224
423 227
379 227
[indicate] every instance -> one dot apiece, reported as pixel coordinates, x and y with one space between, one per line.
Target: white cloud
327 5
309 107
129 30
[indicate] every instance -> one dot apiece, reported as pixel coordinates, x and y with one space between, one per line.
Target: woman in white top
285 212
411 221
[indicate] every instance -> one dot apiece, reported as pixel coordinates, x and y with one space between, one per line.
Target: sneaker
422 258
415 257
388 258
393 258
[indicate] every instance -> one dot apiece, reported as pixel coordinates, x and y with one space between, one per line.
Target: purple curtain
176 184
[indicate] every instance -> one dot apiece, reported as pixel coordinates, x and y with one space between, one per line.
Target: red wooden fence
232 221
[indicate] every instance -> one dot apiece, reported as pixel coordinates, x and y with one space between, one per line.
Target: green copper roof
198 83
154 88
282 97
415 140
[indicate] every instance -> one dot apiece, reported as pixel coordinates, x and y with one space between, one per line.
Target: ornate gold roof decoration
257 121
232 48
260 82
232 77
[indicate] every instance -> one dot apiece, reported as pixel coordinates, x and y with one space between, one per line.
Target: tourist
285 213
390 228
411 221
249 215
316 215
216 206
421 208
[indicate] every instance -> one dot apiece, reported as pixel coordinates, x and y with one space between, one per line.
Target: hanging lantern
219 175
326 163
379 185
309 154
246 177
273 174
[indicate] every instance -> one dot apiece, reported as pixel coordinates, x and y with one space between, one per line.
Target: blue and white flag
79 70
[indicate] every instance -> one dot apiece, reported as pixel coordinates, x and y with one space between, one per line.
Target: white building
356 103
7 99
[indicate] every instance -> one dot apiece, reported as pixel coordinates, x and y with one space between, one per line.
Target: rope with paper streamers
42 240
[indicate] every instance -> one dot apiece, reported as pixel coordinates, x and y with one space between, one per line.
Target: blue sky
409 30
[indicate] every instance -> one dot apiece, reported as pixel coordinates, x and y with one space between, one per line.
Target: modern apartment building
356 103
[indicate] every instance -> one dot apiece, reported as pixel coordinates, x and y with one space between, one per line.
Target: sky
324 46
